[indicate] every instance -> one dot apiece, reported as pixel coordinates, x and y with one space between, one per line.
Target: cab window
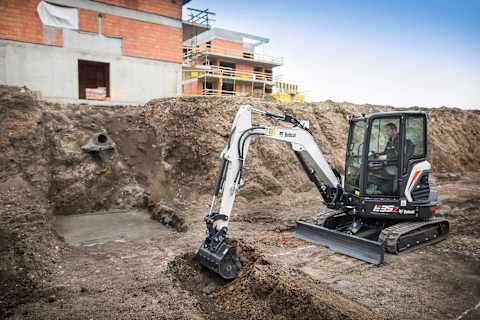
415 144
354 156
383 157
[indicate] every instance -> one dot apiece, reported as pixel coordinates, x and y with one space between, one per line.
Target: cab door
415 153
354 160
383 157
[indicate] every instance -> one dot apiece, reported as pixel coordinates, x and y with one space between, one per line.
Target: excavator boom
215 252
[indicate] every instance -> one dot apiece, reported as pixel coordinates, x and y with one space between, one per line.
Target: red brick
87 20
19 21
233 48
168 8
146 40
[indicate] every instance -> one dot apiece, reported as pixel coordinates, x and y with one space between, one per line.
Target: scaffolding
196 81
200 16
287 92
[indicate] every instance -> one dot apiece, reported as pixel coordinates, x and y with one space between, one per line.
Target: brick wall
145 40
248 68
168 8
243 88
87 20
140 39
193 88
231 48
19 21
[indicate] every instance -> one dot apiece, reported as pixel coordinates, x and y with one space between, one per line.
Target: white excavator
383 203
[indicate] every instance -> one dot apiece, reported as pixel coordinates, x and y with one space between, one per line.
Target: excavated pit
111 226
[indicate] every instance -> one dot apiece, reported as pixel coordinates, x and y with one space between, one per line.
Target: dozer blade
223 261
350 245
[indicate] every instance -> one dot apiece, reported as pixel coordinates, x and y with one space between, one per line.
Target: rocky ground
164 163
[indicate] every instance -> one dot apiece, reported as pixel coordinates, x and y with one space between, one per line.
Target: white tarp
56 16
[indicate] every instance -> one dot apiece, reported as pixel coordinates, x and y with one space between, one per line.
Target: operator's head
390 129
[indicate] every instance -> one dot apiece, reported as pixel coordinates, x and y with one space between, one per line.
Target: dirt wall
170 148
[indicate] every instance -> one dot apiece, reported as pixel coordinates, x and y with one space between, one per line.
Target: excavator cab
382 150
386 165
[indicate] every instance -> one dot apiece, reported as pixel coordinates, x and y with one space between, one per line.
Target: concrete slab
107 226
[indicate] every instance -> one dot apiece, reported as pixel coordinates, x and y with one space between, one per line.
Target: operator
390 153
393 143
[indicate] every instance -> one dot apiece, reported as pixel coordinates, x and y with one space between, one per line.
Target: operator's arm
392 148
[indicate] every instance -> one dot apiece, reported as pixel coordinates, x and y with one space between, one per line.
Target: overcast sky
402 53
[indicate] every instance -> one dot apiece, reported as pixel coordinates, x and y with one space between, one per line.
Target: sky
397 52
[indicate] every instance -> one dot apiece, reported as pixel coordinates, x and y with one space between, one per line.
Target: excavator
383 203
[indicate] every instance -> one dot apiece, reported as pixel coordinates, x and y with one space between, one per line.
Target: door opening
93 80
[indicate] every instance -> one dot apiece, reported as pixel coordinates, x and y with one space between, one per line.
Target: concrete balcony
192 53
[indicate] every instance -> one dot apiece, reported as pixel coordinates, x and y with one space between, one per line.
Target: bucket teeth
223 261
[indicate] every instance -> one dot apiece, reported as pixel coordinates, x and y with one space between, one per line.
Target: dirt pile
453 138
263 290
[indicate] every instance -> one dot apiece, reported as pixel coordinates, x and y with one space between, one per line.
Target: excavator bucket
350 245
223 260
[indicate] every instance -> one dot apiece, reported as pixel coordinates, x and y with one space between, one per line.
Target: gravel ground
156 278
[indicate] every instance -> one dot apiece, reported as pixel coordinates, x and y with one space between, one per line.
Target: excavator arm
215 252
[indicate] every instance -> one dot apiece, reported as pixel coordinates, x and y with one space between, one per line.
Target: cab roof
387 114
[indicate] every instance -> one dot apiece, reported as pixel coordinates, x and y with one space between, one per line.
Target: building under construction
224 62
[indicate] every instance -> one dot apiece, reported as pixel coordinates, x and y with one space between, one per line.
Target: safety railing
226 93
229 73
218 92
256 93
205 49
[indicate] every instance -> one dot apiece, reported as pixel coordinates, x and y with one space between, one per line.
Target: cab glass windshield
354 156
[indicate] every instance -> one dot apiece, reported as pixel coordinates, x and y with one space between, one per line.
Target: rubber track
391 235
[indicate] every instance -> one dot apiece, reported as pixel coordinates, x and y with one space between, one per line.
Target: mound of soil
263 290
